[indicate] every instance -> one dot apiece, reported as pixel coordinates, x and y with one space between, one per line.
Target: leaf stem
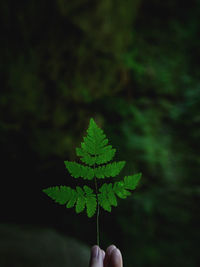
95 180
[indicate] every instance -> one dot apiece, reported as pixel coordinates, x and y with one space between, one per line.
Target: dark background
134 67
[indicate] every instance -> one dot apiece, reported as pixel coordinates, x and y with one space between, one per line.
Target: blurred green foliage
134 67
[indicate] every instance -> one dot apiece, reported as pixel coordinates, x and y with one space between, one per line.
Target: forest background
134 67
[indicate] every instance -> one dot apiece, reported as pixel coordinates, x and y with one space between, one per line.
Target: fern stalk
96 191
95 180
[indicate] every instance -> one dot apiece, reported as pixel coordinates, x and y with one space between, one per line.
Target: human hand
112 257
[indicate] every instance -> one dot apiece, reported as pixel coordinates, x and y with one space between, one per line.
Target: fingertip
116 258
96 257
103 253
108 254
110 248
94 251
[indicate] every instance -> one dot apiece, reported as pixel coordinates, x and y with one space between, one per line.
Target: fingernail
110 249
118 252
95 251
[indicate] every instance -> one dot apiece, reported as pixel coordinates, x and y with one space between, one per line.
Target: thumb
96 258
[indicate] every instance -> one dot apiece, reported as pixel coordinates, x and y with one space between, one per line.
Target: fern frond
107 193
80 203
106 156
93 141
88 145
85 157
91 204
91 201
60 194
94 150
70 197
131 181
104 201
120 191
109 170
107 197
87 190
77 170
111 195
72 200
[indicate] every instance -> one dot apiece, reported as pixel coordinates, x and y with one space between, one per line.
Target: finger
96 258
103 254
116 258
108 255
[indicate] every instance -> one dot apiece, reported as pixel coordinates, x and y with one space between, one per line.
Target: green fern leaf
106 156
109 170
103 188
104 201
93 141
77 170
90 200
60 194
88 190
80 203
88 145
72 200
94 151
131 181
120 191
107 193
102 141
91 204
79 191
85 157
111 195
